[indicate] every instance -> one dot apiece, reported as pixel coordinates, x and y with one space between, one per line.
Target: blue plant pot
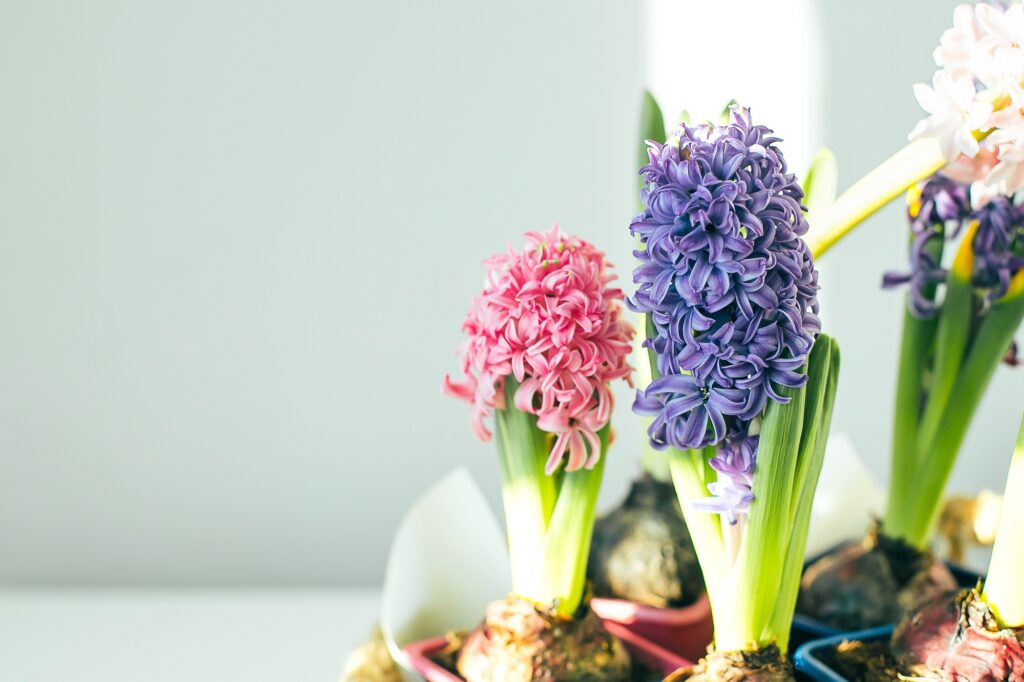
807 659
806 629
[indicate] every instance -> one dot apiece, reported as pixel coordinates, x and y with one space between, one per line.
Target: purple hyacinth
941 208
728 283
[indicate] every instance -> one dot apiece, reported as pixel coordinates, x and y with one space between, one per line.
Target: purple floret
998 247
733 492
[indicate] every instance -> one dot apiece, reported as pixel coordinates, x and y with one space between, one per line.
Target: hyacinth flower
743 381
974 130
544 340
641 550
975 635
958 327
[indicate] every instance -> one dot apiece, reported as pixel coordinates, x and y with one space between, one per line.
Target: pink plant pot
642 651
685 631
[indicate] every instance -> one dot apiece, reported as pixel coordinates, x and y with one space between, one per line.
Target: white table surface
181 635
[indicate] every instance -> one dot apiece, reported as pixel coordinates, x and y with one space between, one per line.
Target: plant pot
686 631
807 629
808 657
643 651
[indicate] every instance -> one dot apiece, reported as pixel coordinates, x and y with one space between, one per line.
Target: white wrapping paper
448 560
848 497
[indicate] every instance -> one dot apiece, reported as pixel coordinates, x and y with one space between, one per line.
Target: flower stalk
567 542
916 349
528 494
544 340
890 179
954 323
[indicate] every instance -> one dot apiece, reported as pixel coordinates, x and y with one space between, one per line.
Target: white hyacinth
976 100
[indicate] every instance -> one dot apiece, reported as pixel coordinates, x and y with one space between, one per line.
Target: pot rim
806 659
624 611
640 648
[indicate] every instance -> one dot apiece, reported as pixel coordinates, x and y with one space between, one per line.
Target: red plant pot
686 631
642 651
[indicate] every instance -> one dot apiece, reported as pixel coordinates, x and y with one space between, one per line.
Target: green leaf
823 370
654 462
652 357
916 355
652 127
820 375
766 537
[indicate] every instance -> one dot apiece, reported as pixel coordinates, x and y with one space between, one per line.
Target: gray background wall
237 241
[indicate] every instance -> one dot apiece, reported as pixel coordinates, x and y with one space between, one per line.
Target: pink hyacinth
548 318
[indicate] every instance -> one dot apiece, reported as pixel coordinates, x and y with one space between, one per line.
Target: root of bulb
761 665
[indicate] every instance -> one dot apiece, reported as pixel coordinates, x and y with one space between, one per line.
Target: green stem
1004 586
891 178
950 341
528 494
689 476
567 545
916 341
921 501
916 349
